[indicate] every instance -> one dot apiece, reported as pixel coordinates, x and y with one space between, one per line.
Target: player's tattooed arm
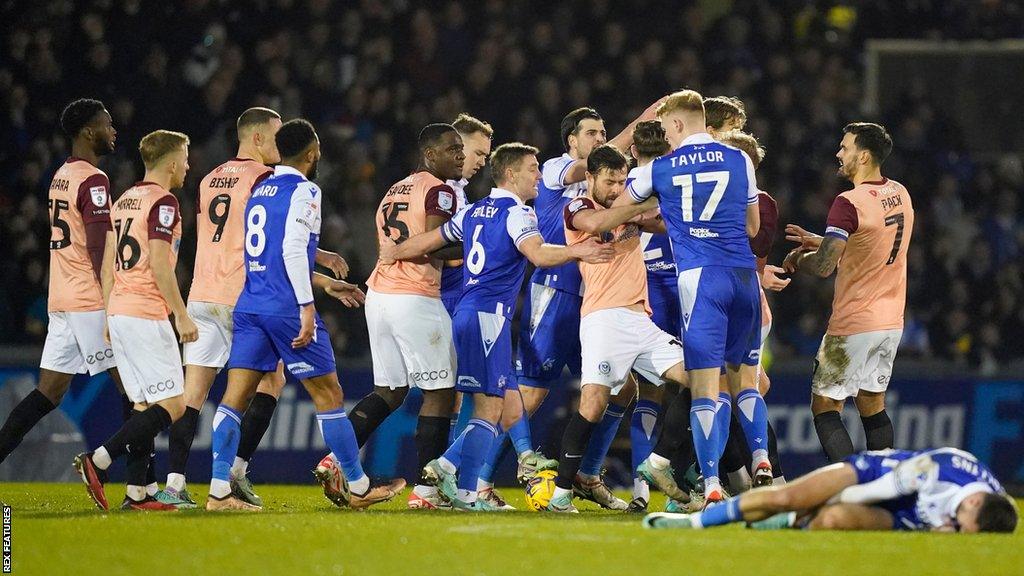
821 262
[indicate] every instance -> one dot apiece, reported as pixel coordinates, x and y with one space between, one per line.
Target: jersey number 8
255 237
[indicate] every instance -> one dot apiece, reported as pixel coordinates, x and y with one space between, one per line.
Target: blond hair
745 142
686 101
467 125
155 145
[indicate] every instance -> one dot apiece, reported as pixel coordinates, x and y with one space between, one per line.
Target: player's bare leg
752 413
339 435
878 429
533 397
255 423
828 423
226 431
851 517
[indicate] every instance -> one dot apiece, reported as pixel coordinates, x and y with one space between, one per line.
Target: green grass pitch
56 530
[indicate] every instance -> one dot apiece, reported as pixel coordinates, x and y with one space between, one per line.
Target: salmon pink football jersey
79 196
145 212
617 284
220 226
403 214
876 219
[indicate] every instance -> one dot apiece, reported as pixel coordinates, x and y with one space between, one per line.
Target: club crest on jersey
166 215
99 195
445 200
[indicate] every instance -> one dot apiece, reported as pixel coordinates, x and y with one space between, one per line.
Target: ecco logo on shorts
429 376
99 356
164 386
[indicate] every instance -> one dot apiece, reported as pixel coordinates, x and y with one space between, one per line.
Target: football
539 490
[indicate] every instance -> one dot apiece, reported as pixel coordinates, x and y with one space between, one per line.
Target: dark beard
313 171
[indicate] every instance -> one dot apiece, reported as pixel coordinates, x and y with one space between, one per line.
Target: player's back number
255 237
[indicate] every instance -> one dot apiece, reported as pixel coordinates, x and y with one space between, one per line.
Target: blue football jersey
493 269
960 474
657 249
282 229
703 188
552 197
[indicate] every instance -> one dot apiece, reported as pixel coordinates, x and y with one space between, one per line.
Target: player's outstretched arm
907 478
623 140
333 262
347 293
545 255
808 240
598 221
163 273
418 246
821 262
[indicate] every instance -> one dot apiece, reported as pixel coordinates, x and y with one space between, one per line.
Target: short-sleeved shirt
617 284
703 188
552 196
491 231
877 220
219 272
145 212
657 249
402 214
79 196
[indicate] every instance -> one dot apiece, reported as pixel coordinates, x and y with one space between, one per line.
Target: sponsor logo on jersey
99 195
703 233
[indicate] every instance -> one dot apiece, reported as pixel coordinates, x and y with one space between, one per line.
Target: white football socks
219 488
239 468
176 481
361 486
658 462
101 458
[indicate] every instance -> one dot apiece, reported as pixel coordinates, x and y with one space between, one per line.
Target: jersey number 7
685 181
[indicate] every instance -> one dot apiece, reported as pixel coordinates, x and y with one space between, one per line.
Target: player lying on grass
944 490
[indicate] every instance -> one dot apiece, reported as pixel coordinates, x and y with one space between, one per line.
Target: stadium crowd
370 73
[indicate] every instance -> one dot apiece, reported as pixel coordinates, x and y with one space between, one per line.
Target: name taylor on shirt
697 158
